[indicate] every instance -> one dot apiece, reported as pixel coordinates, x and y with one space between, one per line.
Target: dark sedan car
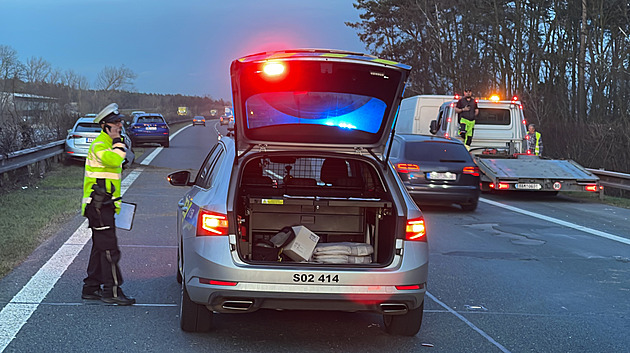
149 128
436 170
199 120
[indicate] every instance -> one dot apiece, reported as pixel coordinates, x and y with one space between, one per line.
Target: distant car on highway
149 127
225 120
199 120
436 170
83 132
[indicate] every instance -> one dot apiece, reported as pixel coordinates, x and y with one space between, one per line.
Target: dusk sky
174 47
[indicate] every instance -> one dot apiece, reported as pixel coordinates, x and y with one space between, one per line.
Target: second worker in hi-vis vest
101 200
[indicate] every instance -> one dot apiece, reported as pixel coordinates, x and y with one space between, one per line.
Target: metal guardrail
30 156
612 179
33 155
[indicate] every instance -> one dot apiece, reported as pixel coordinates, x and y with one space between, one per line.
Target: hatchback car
147 127
306 153
436 170
199 120
83 132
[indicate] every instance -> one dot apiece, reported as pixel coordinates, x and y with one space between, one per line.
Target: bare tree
115 78
54 77
36 70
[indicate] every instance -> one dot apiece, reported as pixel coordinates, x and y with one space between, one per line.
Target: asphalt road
521 274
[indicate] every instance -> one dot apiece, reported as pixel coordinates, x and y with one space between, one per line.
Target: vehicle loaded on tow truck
499 147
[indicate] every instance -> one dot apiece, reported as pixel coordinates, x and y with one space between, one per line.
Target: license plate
151 128
311 278
89 139
442 176
528 186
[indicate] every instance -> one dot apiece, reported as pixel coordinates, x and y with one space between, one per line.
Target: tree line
64 95
567 60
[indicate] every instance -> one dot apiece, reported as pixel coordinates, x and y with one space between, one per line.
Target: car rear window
87 127
344 110
433 151
150 119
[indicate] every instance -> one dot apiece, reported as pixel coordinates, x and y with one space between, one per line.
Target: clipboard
124 219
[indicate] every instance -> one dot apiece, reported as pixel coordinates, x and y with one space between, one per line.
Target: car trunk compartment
333 220
336 211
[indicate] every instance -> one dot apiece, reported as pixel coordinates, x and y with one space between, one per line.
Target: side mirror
179 178
433 127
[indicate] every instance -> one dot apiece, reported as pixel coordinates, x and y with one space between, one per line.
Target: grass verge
32 213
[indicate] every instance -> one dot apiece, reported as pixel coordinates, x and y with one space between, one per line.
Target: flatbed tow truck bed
533 173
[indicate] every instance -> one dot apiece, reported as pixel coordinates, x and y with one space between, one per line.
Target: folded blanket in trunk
342 259
343 248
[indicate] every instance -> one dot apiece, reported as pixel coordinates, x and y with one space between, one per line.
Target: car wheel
404 325
192 316
165 144
179 273
469 207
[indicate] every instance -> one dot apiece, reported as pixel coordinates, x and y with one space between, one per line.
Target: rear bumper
149 138
287 298
444 193
272 286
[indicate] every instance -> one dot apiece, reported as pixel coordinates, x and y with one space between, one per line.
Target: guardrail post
601 189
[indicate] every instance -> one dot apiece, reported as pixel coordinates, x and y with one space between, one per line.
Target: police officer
534 141
101 199
467 111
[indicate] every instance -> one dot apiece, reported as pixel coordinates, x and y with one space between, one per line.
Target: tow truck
500 150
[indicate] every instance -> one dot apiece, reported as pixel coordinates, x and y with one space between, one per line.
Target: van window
493 116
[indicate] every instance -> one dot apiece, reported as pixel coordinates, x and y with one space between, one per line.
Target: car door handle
182 206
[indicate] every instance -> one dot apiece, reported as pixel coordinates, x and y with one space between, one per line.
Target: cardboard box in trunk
302 246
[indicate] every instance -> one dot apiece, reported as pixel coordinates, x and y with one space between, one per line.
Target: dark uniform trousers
103 264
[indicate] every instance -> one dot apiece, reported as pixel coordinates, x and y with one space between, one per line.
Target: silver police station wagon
299 208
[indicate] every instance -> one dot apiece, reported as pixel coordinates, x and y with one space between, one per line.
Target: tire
469 207
192 316
165 144
179 273
404 325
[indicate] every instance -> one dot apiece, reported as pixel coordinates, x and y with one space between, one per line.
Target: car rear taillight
76 136
410 287
591 187
416 231
216 283
474 171
211 223
407 167
503 186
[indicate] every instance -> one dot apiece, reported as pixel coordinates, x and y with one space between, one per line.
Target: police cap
108 114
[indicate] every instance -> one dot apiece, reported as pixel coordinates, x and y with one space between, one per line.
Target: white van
499 125
415 113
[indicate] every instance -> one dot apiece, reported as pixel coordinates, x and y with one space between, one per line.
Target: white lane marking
558 221
470 324
17 312
155 152
96 303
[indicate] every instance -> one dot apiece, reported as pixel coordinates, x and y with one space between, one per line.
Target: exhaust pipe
237 305
393 308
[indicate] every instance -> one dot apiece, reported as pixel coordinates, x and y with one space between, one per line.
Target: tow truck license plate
442 176
313 278
528 186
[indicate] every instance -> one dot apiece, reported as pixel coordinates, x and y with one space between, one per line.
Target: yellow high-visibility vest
104 161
